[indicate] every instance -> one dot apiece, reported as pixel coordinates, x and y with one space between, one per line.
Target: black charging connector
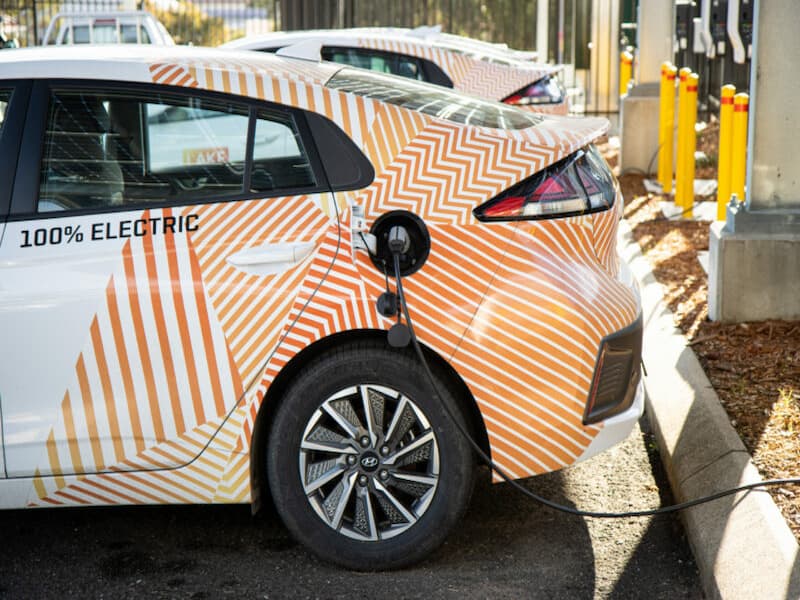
399 242
403 234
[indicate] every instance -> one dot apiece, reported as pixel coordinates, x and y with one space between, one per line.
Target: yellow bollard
741 104
691 143
666 126
683 114
625 71
724 152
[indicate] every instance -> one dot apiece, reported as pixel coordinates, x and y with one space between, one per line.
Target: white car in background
492 76
483 50
107 27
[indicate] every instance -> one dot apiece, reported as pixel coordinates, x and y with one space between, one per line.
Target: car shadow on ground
506 546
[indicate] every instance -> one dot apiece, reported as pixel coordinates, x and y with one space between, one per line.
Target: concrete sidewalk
742 544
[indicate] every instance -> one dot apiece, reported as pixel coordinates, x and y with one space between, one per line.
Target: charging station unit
685 13
740 33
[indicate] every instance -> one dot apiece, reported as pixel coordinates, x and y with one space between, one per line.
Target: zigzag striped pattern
496 81
354 114
145 377
210 478
448 170
561 109
530 354
342 304
605 235
493 81
506 304
455 65
446 293
392 130
532 395
252 308
563 135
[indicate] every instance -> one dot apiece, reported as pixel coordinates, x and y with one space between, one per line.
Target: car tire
368 491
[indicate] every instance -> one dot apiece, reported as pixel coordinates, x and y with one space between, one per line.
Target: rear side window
105 32
130 34
79 34
114 149
374 60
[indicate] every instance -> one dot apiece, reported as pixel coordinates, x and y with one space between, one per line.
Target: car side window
115 149
278 156
375 60
5 96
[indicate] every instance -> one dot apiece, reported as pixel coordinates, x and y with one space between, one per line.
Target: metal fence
212 22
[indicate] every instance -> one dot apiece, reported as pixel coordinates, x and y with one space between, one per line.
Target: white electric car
490 74
193 243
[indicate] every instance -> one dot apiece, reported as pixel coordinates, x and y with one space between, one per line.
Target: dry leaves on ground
754 367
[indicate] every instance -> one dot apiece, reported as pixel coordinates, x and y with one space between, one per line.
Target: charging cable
399 247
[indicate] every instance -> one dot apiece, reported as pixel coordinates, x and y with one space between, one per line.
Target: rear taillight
545 91
581 183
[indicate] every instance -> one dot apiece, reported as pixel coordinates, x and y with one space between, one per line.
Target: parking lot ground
506 547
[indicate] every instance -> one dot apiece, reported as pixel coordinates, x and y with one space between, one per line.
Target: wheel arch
276 391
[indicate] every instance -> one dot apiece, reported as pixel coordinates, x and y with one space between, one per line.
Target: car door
153 240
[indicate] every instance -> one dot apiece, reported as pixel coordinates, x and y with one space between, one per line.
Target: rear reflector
617 373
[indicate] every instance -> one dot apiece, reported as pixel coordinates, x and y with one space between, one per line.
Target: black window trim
25 196
10 138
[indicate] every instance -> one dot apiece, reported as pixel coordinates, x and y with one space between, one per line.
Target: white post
654 35
542 29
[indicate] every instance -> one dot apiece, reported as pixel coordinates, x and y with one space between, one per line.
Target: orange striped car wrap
504 304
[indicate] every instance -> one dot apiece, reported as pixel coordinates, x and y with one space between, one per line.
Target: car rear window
432 100
375 60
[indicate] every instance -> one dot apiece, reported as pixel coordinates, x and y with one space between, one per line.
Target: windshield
435 101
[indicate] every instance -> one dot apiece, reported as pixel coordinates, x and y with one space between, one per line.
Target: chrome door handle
272 258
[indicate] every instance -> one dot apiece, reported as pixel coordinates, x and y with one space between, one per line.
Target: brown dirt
754 367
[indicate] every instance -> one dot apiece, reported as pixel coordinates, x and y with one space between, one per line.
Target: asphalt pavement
506 547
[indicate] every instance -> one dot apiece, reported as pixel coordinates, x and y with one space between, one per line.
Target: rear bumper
617 428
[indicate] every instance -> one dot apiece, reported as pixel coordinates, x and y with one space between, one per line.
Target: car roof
134 63
448 56
299 83
326 36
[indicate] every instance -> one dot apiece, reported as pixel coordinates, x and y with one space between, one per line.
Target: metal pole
35 24
542 22
560 49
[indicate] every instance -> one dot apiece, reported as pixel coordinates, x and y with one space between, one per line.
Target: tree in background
509 21
190 25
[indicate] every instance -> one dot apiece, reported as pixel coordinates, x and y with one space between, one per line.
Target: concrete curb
742 544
